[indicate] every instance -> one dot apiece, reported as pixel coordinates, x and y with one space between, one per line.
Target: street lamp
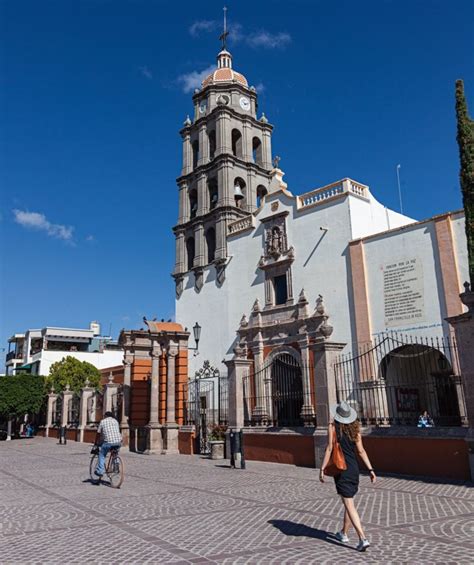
197 336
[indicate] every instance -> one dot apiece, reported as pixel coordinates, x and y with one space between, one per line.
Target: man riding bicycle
108 436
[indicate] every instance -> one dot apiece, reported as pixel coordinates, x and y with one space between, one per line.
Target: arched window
237 143
212 144
213 193
190 252
195 153
211 244
257 151
239 192
193 203
261 193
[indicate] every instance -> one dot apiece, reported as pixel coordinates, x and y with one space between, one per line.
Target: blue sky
94 93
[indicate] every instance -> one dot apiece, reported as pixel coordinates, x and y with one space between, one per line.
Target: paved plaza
183 509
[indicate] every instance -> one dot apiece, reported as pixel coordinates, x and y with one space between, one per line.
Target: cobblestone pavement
182 509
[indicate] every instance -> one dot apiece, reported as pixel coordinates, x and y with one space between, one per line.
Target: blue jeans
104 449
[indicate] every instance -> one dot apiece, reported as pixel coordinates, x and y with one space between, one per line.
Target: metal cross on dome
225 33
207 371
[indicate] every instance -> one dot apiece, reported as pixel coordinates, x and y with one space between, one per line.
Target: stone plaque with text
403 292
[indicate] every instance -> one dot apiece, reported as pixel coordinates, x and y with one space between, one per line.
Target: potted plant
217 440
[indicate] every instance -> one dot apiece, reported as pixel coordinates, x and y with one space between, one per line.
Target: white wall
99 360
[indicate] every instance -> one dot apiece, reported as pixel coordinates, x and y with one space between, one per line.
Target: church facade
245 241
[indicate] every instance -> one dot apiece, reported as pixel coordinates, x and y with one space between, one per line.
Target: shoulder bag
337 462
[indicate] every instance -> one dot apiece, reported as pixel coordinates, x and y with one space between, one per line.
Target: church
244 241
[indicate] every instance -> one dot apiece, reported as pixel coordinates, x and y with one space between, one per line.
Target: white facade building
377 270
37 350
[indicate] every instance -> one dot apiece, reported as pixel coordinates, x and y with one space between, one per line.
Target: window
190 252
212 144
211 245
261 193
237 143
213 193
257 151
193 203
280 289
195 153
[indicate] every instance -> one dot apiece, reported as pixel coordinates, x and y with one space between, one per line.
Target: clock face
203 106
244 103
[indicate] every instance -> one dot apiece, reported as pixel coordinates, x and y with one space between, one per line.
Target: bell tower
225 173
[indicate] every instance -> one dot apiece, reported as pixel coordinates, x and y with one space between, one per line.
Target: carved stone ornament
244 321
256 306
302 297
179 280
240 351
320 308
207 371
110 378
326 329
198 279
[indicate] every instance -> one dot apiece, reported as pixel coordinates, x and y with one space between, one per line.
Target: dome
224 72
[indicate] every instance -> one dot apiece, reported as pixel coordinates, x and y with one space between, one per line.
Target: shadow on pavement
294 529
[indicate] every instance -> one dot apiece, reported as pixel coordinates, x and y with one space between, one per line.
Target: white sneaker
363 545
342 537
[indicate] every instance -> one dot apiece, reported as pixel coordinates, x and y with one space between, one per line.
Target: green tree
21 394
465 137
70 371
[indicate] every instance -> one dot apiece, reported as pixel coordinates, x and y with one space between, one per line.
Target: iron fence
275 395
73 410
398 378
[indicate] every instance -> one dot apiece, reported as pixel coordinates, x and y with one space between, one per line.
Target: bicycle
114 467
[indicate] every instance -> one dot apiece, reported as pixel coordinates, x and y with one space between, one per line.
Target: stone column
52 397
187 153
237 370
464 331
171 425
223 134
221 237
155 436
127 383
67 398
110 389
183 215
86 392
259 413
307 410
179 266
266 149
325 356
203 195
247 142
199 259
225 186
203 145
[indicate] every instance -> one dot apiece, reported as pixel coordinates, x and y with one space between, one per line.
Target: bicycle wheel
115 471
93 466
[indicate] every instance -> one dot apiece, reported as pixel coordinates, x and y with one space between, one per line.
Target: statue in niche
275 243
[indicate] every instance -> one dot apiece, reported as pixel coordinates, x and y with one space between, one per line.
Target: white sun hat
343 413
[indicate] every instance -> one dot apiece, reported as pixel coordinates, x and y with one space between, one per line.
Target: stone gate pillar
127 382
237 369
67 399
464 330
155 434
52 397
171 425
86 393
325 356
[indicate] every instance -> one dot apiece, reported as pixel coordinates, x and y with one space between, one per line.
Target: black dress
347 482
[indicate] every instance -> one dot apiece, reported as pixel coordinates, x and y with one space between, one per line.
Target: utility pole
399 189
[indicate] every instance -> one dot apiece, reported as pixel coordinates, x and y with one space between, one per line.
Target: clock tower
225 174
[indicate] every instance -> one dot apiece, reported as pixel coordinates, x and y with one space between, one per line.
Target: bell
238 194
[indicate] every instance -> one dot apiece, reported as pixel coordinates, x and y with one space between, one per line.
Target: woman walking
346 427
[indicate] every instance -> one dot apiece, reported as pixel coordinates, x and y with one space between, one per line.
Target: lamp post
197 336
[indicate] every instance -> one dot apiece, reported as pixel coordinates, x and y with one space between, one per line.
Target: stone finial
110 378
187 121
87 383
68 388
326 329
276 162
256 306
243 321
51 389
302 297
320 307
264 119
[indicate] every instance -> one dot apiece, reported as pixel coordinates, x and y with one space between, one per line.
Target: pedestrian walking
344 436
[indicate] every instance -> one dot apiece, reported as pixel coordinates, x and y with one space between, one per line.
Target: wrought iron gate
205 404
398 377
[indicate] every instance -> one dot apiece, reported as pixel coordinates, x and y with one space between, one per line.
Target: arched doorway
286 391
418 377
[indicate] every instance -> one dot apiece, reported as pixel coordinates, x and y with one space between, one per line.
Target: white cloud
192 80
146 72
200 26
36 221
90 238
260 87
268 40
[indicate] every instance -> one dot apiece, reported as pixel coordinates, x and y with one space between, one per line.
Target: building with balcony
37 349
